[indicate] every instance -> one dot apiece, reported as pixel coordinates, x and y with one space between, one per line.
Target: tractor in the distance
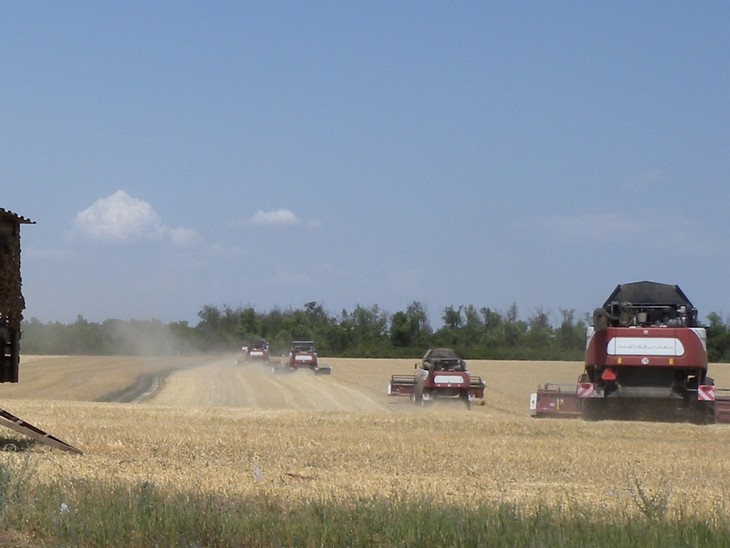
258 351
303 355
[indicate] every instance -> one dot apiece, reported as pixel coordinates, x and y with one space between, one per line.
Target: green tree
570 335
248 323
367 329
410 328
718 338
540 333
514 328
452 317
494 333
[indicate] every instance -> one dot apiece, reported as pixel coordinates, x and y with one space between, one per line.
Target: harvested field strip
86 378
302 437
461 457
224 383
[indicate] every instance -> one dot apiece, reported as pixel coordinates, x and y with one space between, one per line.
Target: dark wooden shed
12 303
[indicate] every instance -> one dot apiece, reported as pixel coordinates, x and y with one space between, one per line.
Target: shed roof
6 215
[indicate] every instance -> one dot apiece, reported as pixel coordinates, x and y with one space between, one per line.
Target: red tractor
442 374
303 355
258 351
645 358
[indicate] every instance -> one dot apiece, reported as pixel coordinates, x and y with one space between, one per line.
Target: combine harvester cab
12 305
645 359
303 355
441 375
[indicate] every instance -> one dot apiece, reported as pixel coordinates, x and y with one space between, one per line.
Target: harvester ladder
19 425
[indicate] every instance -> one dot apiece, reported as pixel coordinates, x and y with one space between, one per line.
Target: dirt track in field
91 378
223 383
355 385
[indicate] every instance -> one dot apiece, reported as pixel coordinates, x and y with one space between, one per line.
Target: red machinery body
555 400
626 361
442 374
303 355
645 358
258 351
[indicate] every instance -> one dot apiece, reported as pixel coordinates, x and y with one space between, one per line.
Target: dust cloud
147 339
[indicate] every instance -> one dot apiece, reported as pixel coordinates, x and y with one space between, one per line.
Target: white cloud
658 230
643 182
278 217
408 280
121 218
602 225
180 235
291 278
233 251
48 253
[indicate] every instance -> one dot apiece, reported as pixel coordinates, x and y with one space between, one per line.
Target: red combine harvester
12 305
645 359
303 355
258 351
442 374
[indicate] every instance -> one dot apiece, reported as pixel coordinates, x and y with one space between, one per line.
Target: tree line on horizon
366 331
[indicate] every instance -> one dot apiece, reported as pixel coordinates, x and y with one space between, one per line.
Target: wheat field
207 425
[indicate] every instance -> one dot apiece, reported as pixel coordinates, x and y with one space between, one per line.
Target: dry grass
224 429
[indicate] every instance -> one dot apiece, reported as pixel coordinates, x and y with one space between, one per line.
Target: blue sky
182 154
